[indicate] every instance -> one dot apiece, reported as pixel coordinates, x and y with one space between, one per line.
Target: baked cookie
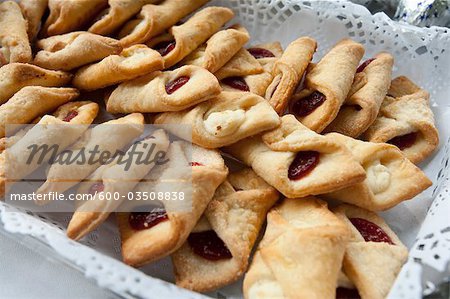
288 71
75 49
300 255
131 63
406 121
224 120
33 11
374 255
371 83
14 43
297 161
218 248
164 91
391 177
327 85
150 235
155 19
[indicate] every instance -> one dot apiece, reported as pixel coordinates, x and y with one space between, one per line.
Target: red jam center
260 53
165 47
364 65
146 220
195 164
96 188
71 115
307 105
236 83
174 85
303 164
344 293
404 141
208 245
370 231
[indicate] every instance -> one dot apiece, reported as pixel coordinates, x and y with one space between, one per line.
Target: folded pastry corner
406 121
81 112
33 11
301 253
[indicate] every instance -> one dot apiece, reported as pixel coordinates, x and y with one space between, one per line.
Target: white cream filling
225 122
378 177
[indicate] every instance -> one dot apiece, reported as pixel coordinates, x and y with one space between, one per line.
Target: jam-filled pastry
152 234
219 48
374 254
114 178
14 43
218 248
406 121
297 161
66 16
371 83
33 11
131 63
116 14
224 120
75 49
185 38
155 19
15 76
31 102
164 91
327 85
111 137
288 71
300 255
391 177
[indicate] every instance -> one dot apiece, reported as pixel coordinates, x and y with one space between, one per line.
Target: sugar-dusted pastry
115 178
218 248
31 102
14 43
240 65
371 83
374 254
33 11
131 63
109 137
297 161
118 12
75 49
391 177
406 121
224 120
164 91
327 85
155 19
300 255
219 48
185 38
15 76
155 233
66 16
288 72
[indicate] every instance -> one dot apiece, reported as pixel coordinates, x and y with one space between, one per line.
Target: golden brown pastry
371 83
131 63
327 85
14 43
300 255
75 49
224 120
218 248
241 64
164 91
406 121
33 11
297 161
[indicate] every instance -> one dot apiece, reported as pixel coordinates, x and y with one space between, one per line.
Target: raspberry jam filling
236 83
345 293
96 188
208 245
364 65
165 47
370 231
71 115
174 85
404 141
146 220
303 164
307 105
260 53
195 164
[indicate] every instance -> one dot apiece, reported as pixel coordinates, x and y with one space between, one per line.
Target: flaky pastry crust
33 11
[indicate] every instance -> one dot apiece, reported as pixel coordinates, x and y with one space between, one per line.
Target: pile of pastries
339 129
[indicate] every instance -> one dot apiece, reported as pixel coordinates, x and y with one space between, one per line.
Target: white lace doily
420 53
